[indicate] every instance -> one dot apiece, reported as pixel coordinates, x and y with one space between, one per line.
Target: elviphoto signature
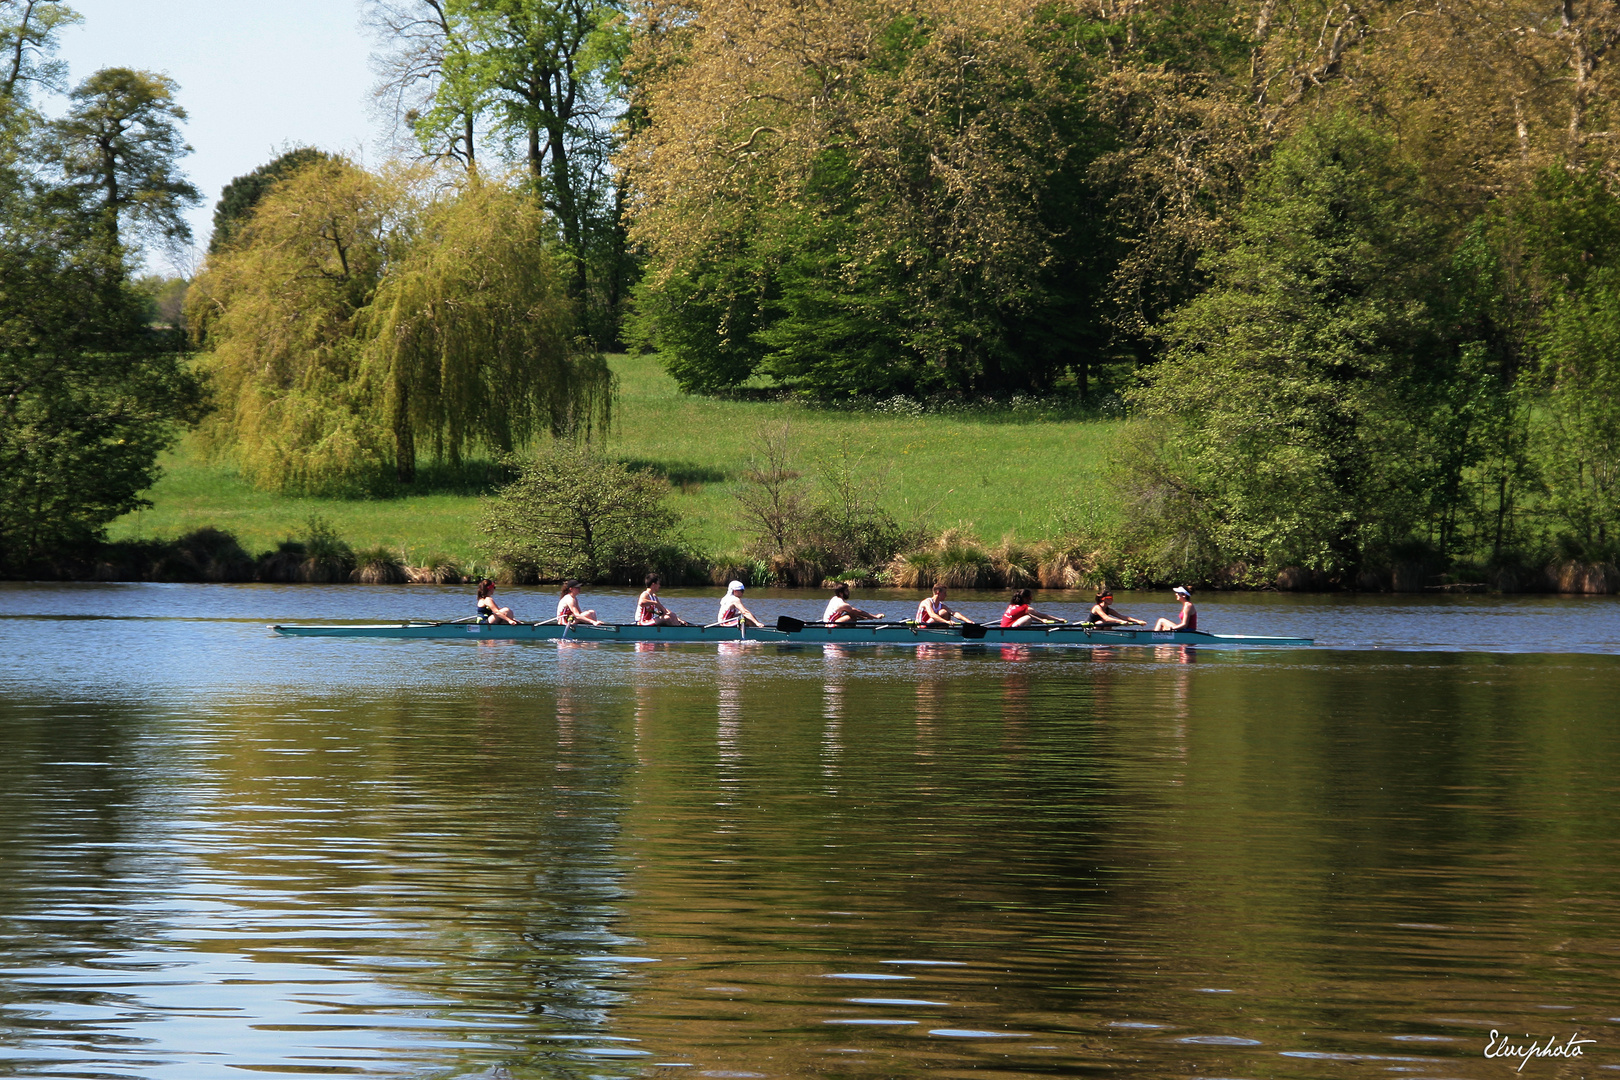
1501 1046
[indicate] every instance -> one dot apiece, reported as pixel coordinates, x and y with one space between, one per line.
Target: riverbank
1016 468
982 491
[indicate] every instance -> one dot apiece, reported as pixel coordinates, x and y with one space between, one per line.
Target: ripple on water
871 1023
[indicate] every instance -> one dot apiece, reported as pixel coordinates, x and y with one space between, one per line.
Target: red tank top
1013 613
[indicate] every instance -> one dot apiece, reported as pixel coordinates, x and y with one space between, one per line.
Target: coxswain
650 611
568 612
934 612
840 612
1189 614
488 610
1101 612
732 611
1019 613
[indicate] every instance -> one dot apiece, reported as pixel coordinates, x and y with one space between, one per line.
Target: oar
787 624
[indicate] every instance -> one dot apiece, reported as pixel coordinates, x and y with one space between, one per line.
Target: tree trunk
404 437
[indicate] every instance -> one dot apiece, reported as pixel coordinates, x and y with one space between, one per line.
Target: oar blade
973 631
787 624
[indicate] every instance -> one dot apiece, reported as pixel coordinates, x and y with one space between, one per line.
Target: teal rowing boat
790 631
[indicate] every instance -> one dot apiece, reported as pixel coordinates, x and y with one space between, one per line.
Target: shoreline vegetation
746 482
1143 295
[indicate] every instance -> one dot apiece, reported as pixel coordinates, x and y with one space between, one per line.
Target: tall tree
416 41
881 176
28 44
280 311
534 79
1290 380
121 141
89 393
361 320
241 195
471 340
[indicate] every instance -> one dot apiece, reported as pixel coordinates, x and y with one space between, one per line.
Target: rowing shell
873 634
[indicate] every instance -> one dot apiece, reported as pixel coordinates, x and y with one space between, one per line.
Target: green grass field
992 472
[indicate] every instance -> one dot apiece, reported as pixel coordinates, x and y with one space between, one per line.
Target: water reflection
584 860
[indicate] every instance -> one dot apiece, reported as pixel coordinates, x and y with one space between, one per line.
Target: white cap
735 586
1182 590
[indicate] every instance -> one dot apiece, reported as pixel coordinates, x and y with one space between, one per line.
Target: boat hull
810 635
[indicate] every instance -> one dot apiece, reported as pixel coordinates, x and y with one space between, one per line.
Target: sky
256 76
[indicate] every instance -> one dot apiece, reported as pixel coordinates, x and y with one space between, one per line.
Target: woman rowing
650 611
934 612
1189 614
568 612
1101 612
488 610
1019 613
732 612
840 612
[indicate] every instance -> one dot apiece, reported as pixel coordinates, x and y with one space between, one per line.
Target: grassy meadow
990 472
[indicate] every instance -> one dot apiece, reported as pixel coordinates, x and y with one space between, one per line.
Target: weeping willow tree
354 321
278 310
471 336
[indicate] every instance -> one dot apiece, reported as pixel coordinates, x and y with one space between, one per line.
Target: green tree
416 39
360 320
120 144
280 312
535 79
28 45
1569 229
1580 442
895 203
1299 387
471 338
573 513
89 394
241 195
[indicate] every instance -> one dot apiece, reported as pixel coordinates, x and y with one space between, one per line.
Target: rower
1019 613
732 611
933 611
568 611
488 610
1101 612
840 612
650 611
1189 614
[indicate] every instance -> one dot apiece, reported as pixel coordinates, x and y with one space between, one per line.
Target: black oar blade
787 624
973 631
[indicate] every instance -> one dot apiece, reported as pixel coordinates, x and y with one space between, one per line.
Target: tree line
1350 264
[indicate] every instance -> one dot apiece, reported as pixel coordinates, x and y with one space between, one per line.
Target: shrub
379 566
572 513
205 554
954 560
321 556
438 569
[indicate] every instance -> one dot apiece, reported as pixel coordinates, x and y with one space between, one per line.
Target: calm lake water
225 854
